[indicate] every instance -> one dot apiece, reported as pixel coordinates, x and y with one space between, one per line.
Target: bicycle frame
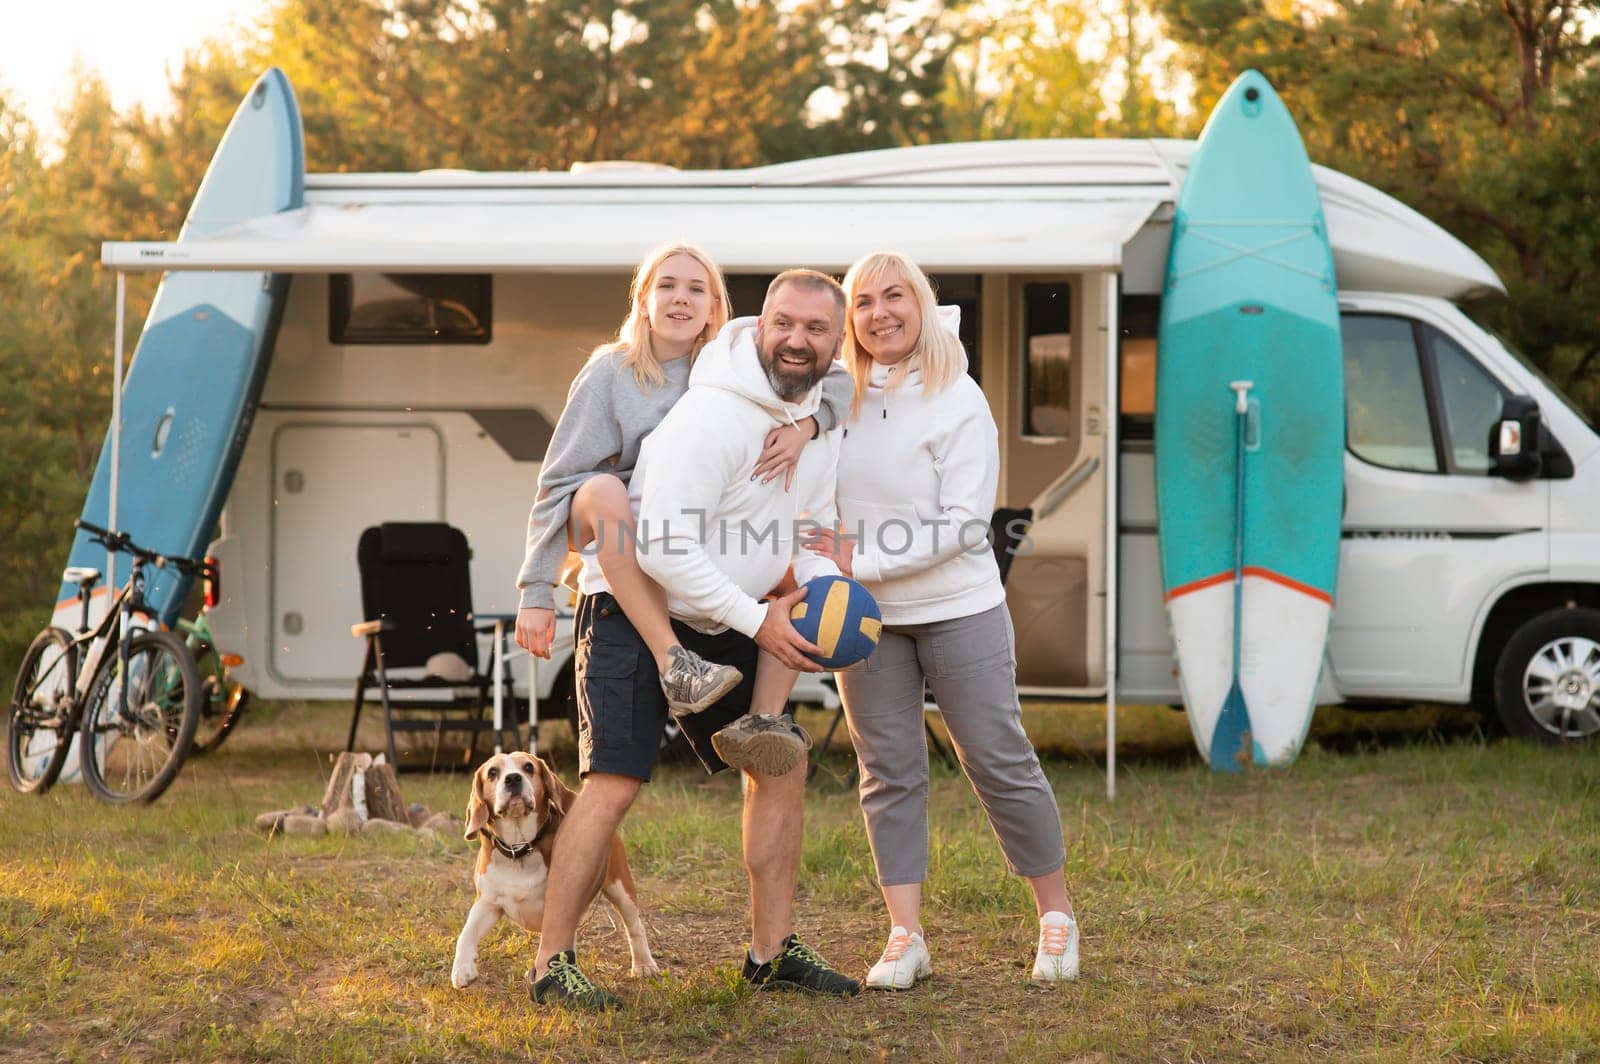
112 631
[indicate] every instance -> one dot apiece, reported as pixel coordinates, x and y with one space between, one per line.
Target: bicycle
130 695
223 700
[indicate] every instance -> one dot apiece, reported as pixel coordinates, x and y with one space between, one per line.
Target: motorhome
435 321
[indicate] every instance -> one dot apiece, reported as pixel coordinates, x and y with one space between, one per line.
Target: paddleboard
196 375
1249 296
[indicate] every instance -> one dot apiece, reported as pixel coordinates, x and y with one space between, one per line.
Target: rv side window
1047 362
1470 399
1386 406
409 308
1138 320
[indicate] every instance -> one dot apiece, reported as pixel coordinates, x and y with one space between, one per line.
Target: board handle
1241 390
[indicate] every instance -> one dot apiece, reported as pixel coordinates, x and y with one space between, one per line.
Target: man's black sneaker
798 967
565 984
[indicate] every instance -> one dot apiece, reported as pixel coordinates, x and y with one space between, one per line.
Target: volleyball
841 617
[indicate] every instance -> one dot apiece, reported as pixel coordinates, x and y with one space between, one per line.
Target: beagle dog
517 803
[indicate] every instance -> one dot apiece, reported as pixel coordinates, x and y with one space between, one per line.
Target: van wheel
1547 682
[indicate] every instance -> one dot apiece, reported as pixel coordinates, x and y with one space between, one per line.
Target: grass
1408 890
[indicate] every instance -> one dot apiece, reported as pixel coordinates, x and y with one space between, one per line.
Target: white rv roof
998 205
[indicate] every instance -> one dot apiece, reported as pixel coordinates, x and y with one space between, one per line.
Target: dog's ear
477 808
557 797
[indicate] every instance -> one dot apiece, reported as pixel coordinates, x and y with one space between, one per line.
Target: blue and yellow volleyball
841 617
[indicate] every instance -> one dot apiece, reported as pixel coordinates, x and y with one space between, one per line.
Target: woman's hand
830 543
780 451
536 629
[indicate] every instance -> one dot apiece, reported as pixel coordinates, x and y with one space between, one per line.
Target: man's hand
536 629
833 545
778 637
780 451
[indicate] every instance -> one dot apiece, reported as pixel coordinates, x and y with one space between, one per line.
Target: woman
678 303
918 471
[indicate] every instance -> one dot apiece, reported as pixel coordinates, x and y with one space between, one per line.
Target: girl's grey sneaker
798 967
905 960
1057 959
762 745
565 984
692 684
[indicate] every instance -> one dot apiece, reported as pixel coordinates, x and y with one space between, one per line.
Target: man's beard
789 385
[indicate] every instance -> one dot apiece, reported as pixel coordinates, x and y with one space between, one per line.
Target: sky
132 43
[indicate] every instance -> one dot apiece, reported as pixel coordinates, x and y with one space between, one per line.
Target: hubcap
1561 687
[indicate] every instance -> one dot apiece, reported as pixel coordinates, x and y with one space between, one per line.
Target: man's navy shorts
621 708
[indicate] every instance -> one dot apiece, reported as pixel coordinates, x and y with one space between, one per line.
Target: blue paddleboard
1249 299
196 377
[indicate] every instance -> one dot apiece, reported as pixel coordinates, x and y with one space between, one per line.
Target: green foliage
1029 74
55 335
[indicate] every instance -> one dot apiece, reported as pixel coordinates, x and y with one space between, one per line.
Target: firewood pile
362 798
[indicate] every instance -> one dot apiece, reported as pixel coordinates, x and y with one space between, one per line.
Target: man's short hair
814 280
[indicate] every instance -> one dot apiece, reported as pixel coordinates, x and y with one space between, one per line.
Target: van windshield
1555 389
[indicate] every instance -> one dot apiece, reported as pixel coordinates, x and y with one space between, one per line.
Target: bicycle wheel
39 721
223 700
132 754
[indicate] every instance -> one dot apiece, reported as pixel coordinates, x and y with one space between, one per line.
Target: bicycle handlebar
119 541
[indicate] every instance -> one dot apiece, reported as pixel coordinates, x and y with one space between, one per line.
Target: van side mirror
1516 442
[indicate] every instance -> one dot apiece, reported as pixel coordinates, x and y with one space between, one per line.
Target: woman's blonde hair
634 338
943 357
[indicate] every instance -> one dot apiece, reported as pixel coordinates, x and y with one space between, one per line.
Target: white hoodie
711 535
917 481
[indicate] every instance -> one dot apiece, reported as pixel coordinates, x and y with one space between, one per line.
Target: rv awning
763 230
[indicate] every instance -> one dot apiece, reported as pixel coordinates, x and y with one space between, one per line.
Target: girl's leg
602 515
774 684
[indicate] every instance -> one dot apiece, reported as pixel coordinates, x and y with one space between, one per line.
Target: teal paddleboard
1249 437
192 390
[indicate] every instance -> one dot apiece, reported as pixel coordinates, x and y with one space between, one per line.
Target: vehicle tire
39 718
222 700
1547 681
133 758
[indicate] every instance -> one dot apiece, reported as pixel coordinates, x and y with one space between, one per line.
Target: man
715 539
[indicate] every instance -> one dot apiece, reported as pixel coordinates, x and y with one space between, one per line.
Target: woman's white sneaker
905 960
1057 959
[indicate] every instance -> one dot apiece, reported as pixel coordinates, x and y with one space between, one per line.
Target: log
337 796
383 795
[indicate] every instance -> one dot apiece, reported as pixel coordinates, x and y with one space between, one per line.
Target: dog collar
521 850
516 853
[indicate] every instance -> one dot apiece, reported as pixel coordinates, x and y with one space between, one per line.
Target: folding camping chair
422 640
1008 527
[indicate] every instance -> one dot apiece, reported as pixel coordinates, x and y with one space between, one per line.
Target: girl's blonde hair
634 338
943 357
